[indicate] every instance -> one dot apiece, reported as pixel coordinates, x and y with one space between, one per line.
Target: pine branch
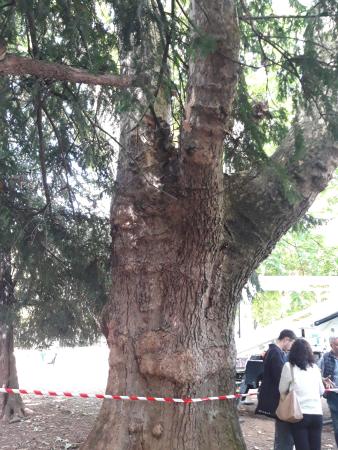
295 16
7 5
38 112
20 65
42 149
63 154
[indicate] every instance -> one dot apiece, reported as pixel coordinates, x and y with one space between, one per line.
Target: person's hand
328 383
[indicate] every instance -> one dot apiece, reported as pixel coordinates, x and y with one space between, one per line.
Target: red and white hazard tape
128 397
118 397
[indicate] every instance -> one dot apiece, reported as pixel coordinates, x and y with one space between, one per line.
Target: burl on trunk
186 238
169 324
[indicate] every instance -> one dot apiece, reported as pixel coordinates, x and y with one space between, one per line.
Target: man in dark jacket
329 367
268 397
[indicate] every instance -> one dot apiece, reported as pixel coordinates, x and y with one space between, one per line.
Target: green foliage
302 253
301 300
270 305
60 251
304 250
293 59
60 247
266 307
202 45
60 263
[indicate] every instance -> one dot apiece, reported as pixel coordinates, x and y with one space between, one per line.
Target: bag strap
292 377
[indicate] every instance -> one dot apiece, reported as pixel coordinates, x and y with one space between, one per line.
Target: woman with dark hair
309 388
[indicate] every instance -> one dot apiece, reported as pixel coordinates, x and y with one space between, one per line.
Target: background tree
198 203
54 242
54 270
306 250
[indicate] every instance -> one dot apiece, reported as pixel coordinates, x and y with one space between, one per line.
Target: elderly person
329 368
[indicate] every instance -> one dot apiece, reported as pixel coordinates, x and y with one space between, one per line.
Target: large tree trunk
11 406
184 245
169 324
185 241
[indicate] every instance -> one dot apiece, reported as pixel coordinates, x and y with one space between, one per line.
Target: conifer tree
211 173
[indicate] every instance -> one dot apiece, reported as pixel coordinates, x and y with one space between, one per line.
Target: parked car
252 375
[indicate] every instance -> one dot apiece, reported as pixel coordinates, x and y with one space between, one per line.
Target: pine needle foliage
57 147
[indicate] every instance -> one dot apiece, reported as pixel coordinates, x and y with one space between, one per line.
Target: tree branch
294 16
262 205
20 65
42 148
212 80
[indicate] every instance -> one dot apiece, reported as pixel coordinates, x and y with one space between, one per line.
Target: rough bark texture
263 205
169 322
11 407
185 241
19 65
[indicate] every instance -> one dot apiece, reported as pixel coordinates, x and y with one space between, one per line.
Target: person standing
329 368
268 397
303 376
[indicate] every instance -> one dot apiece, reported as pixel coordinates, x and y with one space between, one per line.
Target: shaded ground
259 431
61 424
55 424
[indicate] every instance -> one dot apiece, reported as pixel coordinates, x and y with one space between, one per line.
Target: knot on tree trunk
160 356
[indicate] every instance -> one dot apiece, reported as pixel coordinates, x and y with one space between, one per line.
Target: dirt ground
62 424
259 431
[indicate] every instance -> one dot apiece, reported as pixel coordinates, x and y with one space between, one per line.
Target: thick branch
19 65
212 80
263 205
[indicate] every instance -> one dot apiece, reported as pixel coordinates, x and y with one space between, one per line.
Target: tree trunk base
139 426
13 408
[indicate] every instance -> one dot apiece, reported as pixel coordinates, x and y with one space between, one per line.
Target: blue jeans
332 401
283 436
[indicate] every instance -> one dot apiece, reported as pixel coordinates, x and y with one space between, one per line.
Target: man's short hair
332 339
287 334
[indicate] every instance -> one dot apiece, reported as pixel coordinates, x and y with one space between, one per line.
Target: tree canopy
57 136
212 171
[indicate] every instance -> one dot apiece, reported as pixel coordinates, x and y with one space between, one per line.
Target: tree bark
169 323
20 65
183 248
185 241
11 406
263 204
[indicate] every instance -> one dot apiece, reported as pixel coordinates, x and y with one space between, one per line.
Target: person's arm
321 382
320 364
328 383
277 363
285 379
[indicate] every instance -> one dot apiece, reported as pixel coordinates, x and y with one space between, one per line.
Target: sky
281 7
